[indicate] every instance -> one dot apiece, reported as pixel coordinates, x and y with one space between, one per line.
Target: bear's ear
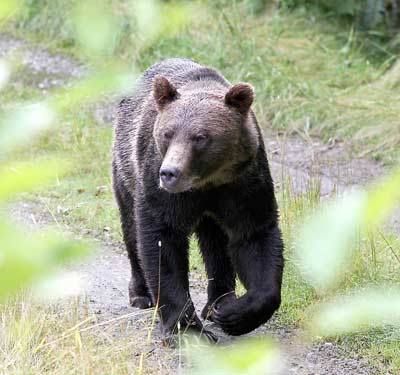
240 96
164 92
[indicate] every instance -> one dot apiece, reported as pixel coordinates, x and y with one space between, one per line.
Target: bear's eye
168 135
198 138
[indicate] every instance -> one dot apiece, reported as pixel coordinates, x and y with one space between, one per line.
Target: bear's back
178 71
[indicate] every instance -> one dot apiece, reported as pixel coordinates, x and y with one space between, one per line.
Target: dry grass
312 77
45 339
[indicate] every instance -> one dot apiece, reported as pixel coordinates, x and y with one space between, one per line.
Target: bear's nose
169 176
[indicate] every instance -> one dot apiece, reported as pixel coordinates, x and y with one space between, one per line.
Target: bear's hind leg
221 276
139 295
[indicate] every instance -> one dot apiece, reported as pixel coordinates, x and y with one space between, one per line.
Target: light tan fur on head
205 133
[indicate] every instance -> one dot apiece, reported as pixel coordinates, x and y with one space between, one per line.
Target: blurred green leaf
324 247
155 19
147 15
325 243
18 178
20 124
175 16
96 27
371 308
114 78
60 285
5 73
383 199
254 356
26 257
8 8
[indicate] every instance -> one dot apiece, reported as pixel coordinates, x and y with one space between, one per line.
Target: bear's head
205 136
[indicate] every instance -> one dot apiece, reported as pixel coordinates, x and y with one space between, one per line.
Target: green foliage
318 77
36 15
382 199
95 27
18 178
326 242
323 253
340 7
378 15
314 78
248 357
357 311
26 257
21 123
8 8
325 250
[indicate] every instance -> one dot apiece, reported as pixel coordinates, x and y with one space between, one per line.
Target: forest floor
296 163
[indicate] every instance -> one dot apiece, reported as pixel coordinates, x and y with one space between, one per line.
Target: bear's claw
141 302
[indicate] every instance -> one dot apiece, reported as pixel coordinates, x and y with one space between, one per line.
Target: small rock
100 190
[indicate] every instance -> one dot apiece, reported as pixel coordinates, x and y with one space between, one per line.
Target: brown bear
189 157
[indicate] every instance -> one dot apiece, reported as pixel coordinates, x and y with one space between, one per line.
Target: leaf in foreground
250 357
326 241
27 257
156 19
363 310
23 177
96 27
8 8
383 199
116 78
22 123
5 73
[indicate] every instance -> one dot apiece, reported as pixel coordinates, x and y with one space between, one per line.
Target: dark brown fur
189 158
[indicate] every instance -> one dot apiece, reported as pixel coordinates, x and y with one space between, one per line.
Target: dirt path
105 276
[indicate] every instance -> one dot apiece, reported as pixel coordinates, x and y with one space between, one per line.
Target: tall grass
39 339
313 75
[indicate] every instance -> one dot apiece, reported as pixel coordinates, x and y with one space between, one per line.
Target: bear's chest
235 208
180 211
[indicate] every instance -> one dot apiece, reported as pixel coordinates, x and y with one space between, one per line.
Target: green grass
313 75
313 78
38 339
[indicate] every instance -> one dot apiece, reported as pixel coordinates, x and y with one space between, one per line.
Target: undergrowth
313 74
312 77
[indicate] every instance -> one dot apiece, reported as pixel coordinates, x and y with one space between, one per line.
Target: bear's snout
169 177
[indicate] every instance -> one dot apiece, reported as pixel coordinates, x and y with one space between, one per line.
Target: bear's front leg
258 260
164 257
221 276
